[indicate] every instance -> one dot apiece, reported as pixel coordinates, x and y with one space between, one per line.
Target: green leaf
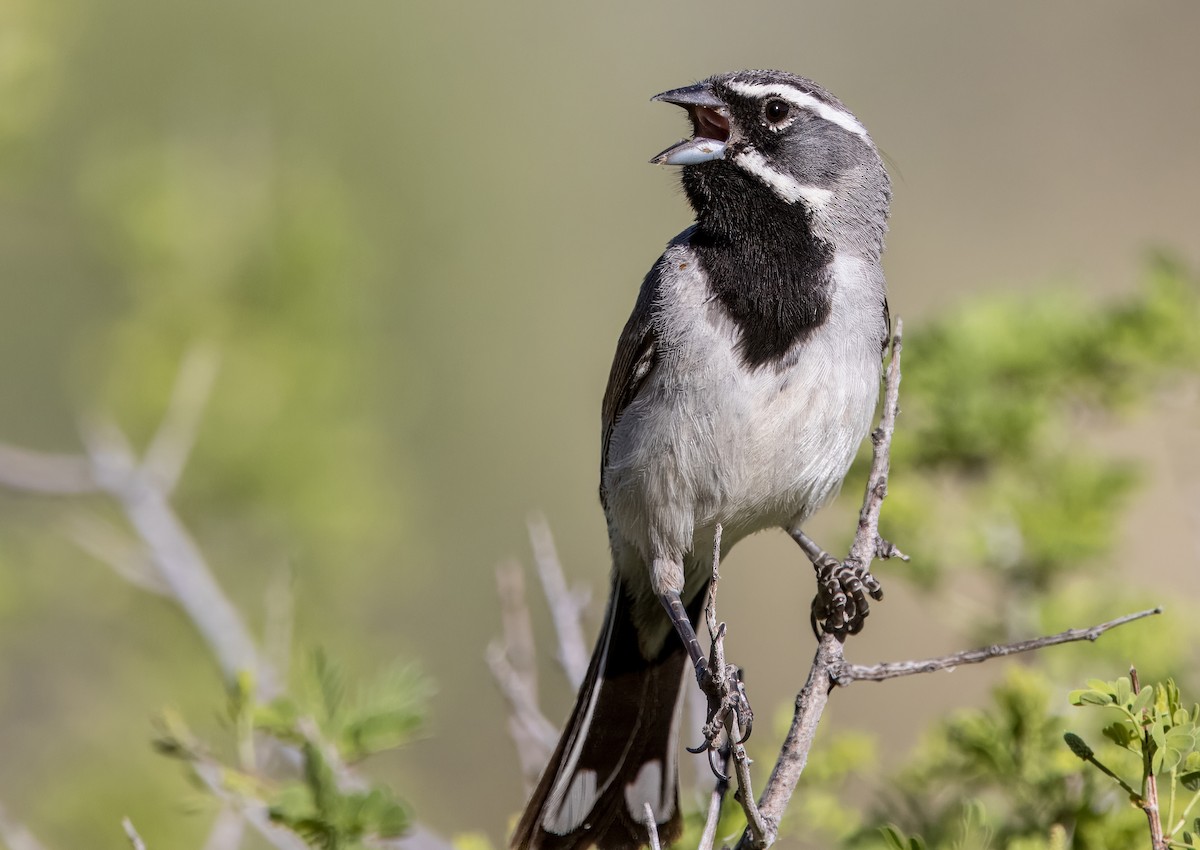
1123 691
1090 697
1181 738
321 782
388 713
1144 699
1121 733
279 718
897 840
330 686
1190 780
293 804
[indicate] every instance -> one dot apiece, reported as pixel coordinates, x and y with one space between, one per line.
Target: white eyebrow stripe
785 186
804 100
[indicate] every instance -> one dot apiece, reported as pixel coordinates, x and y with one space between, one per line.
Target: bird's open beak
710 126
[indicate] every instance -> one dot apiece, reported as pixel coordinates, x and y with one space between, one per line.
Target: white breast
707 440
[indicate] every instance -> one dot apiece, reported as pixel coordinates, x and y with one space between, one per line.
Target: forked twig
733 747
830 669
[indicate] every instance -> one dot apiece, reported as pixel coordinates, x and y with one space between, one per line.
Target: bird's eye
775 110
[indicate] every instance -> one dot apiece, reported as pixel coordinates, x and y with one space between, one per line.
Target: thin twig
867 543
516 625
141 488
729 677
811 701
167 454
847 673
135 840
227 830
514 667
652 828
829 667
716 801
49 474
107 543
535 736
565 607
109 465
16 836
1149 801
213 774
176 556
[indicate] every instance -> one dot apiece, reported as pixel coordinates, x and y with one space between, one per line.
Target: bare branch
1149 801
141 489
168 451
227 830
847 673
793 756
109 544
722 673
715 801
212 774
867 542
829 667
176 556
168 561
652 828
565 607
516 624
135 840
514 667
535 737
45 473
15 836
811 701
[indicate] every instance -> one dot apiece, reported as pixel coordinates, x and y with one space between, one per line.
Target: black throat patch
763 263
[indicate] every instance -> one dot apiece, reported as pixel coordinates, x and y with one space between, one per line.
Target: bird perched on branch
742 386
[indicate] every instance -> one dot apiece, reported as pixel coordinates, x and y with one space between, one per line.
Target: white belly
708 441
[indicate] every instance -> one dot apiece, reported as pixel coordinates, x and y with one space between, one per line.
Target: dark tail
619 750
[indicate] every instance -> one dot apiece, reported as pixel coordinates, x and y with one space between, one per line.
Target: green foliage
1163 734
1000 771
993 380
387 713
823 805
990 477
994 398
326 732
251 251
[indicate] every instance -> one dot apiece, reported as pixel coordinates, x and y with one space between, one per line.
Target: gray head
766 142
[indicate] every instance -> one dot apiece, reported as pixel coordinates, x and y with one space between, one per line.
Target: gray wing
637 353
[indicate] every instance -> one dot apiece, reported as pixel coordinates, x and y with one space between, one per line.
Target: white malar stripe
785 186
575 807
647 790
804 100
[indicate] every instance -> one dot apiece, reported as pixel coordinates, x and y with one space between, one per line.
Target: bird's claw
726 701
840 606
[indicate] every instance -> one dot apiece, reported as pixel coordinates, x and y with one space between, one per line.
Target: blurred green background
413 232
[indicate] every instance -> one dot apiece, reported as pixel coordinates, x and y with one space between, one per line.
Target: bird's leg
720 683
840 606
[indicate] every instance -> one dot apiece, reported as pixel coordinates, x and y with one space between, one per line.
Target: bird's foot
727 708
840 606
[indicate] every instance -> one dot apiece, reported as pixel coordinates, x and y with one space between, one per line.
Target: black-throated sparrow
742 386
